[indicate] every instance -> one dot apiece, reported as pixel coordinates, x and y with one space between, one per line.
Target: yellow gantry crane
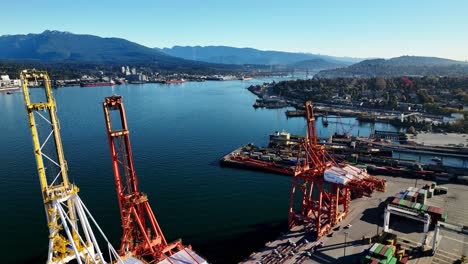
71 235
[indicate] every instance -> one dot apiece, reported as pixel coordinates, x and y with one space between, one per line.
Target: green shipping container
444 217
402 202
413 205
379 247
389 252
424 208
393 260
417 206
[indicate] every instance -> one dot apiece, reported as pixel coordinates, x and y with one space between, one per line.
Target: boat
119 81
94 84
9 89
174 81
246 78
325 121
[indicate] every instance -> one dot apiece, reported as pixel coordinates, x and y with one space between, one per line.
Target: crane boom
71 236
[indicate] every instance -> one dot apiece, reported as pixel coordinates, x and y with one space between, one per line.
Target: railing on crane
71 235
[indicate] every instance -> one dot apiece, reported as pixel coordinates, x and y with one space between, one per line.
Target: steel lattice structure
322 204
71 235
142 235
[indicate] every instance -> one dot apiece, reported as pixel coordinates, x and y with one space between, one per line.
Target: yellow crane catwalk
71 235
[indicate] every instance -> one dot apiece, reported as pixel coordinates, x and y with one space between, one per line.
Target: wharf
460 152
235 160
300 113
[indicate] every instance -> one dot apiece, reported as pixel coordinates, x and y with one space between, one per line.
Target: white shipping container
336 175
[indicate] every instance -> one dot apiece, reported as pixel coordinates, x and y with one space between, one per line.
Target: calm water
178 133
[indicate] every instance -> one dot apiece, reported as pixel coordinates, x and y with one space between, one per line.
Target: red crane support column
142 235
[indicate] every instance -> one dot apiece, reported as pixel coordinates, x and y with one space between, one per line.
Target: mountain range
60 49
232 55
399 66
64 47
53 46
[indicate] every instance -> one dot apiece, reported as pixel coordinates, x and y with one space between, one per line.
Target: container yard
352 238
328 227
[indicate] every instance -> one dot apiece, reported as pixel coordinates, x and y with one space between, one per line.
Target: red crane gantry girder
142 235
319 200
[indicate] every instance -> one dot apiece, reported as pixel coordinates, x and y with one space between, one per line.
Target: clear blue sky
356 28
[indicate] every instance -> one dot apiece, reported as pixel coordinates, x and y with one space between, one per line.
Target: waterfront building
8 84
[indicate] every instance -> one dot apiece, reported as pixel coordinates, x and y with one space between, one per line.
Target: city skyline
362 29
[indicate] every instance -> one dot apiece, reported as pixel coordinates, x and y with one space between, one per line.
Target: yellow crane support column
71 236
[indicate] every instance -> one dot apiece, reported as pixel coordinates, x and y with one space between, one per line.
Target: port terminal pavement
366 220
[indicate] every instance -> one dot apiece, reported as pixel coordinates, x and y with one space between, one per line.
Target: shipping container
431 209
444 217
437 210
379 247
373 248
382 251
389 253
417 206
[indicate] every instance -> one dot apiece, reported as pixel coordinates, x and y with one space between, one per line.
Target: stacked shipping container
415 199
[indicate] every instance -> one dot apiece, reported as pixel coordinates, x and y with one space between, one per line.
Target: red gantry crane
142 236
345 133
324 187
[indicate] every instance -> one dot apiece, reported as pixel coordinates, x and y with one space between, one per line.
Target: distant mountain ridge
316 65
399 66
232 55
64 47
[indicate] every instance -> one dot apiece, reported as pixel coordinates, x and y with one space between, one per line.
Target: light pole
345 243
380 202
